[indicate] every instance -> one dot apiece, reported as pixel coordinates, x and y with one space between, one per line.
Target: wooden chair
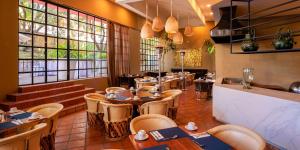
114 89
174 83
166 85
116 119
29 140
151 122
240 138
51 113
173 103
94 109
154 107
140 84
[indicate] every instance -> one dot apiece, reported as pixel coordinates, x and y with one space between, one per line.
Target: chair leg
95 120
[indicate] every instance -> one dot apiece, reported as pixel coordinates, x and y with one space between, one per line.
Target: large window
57 43
148 55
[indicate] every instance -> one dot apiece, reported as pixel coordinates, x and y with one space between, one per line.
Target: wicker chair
151 122
94 109
116 119
114 89
174 103
154 107
238 137
29 140
51 113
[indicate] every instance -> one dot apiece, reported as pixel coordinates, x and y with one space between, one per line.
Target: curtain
118 53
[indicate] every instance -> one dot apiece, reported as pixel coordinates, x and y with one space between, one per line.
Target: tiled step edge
38 87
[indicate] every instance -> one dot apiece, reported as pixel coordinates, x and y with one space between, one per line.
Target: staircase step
38 87
6 105
43 93
72 109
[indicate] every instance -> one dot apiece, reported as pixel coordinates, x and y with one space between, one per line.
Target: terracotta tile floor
73 132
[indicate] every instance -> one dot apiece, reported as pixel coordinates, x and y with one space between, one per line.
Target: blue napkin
211 143
6 125
159 147
120 97
21 116
169 132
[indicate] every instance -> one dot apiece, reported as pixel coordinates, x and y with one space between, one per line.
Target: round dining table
127 97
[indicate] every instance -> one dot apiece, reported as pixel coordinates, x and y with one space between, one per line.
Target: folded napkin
6 125
20 116
211 143
120 97
159 147
166 134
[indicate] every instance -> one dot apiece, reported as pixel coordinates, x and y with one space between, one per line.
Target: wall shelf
269 51
269 19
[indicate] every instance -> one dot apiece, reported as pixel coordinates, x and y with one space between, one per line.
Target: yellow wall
9 37
9 47
274 69
106 9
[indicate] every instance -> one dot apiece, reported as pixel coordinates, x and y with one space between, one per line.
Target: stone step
43 93
6 105
45 86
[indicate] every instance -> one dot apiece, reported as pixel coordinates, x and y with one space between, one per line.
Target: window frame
148 54
103 70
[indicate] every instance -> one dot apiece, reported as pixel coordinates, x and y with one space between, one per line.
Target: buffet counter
273 114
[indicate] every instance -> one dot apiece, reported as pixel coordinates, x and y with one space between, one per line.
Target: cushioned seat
151 122
238 137
116 119
29 140
51 113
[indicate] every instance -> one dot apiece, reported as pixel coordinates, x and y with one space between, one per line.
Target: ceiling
198 11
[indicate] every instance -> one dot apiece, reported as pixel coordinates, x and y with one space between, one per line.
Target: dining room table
185 140
17 122
128 97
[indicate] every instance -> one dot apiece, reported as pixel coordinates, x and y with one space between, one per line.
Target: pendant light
177 37
188 30
171 23
157 25
147 31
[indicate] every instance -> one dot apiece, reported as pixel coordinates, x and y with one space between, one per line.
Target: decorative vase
282 44
248 45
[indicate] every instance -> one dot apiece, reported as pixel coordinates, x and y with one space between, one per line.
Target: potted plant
284 39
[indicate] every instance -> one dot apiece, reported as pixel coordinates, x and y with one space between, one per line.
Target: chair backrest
29 140
151 122
114 89
51 112
238 137
166 85
145 88
116 112
174 94
155 107
93 102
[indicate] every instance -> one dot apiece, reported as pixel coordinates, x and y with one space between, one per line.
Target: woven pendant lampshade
147 31
178 38
158 24
188 30
171 25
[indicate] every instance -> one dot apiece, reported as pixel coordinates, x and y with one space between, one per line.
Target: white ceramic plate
139 139
195 128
